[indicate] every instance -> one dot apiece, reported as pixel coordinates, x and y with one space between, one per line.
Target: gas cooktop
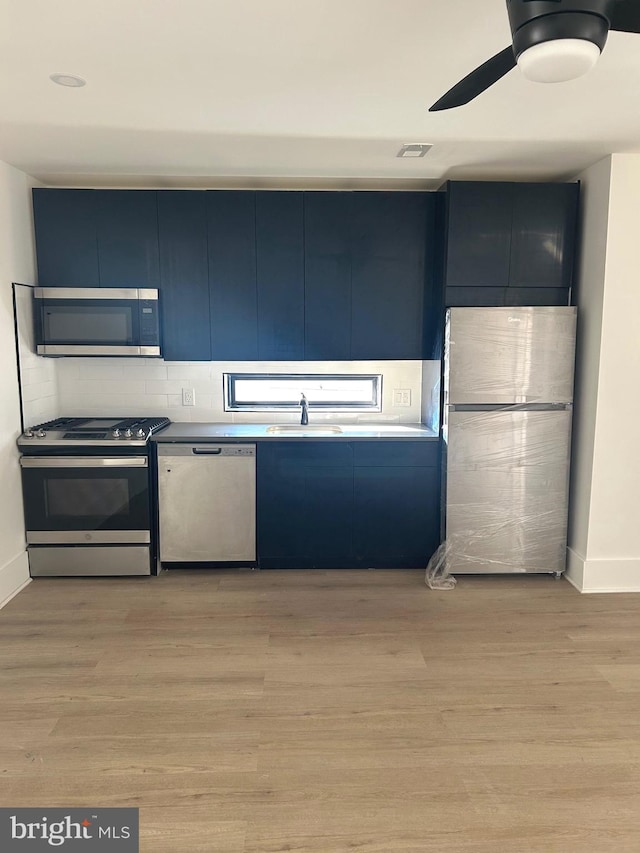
92 432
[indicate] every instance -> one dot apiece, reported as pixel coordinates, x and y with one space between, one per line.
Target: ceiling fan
553 41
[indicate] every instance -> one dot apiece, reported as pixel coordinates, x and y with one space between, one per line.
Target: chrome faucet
304 419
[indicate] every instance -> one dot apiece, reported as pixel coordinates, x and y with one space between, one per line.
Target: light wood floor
326 712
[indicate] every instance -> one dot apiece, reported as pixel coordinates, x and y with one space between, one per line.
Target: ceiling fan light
558 60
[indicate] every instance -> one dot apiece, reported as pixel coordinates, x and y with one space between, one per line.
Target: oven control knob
28 433
115 433
141 433
41 433
128 433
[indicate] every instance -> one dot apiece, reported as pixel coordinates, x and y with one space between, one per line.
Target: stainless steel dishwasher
207 501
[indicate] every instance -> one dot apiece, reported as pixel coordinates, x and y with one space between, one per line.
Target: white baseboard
602 575
575 569
14 576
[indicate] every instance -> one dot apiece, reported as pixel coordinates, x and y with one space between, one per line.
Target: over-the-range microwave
96 321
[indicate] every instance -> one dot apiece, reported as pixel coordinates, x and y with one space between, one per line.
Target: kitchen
341 273
603 552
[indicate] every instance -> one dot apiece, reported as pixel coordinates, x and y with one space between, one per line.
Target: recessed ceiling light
71 80
414 149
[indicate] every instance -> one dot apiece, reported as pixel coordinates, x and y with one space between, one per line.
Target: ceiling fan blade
476 82
625 17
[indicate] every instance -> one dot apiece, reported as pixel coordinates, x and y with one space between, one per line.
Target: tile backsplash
111 387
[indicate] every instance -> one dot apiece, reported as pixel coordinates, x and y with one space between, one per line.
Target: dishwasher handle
206 451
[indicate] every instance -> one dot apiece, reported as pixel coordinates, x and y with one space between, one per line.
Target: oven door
88 500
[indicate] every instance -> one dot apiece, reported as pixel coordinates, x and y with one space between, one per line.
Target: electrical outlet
188 396
402 397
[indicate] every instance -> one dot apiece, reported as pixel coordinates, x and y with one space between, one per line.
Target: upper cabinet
286 276
509 243
66 238
478 234
184 275
280 275
327 275
244 275
128 251
392 262
543 235
233 292
96 238
368 274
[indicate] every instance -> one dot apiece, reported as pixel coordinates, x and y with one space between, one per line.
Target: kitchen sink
300 429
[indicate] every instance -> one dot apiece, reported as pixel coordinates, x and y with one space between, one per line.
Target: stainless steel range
91 432
88 496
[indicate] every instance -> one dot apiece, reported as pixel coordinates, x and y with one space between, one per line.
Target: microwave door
88 323
96 321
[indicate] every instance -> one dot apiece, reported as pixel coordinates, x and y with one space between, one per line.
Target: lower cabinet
396 489
305 504
369 504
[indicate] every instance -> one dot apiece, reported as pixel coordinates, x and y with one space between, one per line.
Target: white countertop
320 432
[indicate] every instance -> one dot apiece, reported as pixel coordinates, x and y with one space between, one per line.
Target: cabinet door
184 279
232 274
280 275
536 296
127 222
543 235
327 272
474 297
396 504
66 238
305 505
390 230
478 234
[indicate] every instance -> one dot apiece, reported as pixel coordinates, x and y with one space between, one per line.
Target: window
252 392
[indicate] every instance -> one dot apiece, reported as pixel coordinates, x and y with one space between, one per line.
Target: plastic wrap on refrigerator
506 493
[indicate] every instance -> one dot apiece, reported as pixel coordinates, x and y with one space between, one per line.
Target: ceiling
291 93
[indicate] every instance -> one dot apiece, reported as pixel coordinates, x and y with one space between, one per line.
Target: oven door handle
83 462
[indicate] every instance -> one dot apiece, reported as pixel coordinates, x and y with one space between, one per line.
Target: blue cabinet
280 275
367 504
369 274
543 235
66 238
304 505
184 276
231 229
96 238
128 250
327 275
392 268
244 275
396 504
478 234
509 243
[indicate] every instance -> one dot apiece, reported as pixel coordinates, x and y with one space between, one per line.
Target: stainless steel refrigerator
508 392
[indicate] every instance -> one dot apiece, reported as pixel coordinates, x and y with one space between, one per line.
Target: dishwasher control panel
206 450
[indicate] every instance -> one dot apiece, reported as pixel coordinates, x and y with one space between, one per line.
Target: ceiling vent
414 149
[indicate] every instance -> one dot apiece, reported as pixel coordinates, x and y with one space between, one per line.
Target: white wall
604 540
594 193
38 376
16 264
104 386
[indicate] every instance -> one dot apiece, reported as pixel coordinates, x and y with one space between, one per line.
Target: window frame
231 404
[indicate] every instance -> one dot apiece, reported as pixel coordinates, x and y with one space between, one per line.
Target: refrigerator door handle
510 407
